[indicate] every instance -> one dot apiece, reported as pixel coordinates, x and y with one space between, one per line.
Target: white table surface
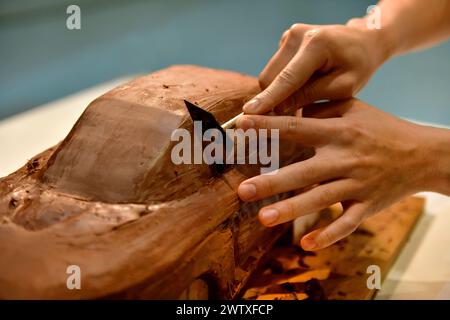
422 271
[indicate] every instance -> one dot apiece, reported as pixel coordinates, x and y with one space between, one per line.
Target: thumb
328 87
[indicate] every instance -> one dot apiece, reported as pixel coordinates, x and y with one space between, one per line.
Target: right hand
315 63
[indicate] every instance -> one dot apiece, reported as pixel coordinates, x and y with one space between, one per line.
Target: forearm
408 25
415 24
436 156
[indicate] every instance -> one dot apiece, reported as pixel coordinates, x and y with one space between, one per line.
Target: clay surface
109 199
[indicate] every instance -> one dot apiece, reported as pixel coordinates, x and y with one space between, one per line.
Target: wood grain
339 271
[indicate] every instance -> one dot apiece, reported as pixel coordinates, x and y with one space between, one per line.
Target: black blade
208 122
207 119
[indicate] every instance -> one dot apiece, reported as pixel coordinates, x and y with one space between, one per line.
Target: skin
365 159
333 62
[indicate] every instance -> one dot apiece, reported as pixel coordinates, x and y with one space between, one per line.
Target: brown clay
109 200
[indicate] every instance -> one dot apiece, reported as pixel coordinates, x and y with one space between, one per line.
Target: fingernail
251 106
247 191
308 244
245 123
269 216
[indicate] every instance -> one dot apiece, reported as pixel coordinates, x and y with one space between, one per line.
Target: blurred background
41 60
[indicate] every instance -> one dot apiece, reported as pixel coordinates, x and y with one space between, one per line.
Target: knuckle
294 35
314 35
348 131
353 21
283 38
344 125
359 189
260 122
294 26
287 77
349 223
245 122
348 87
309 173
326 238
360 161
325 197
354 129
351 130
264 186
269 187
349 166
264 79
289 211
292 125
298 29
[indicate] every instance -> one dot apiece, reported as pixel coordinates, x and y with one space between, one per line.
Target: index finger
296 73
307 131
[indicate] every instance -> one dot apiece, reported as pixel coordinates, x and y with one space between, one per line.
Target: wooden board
340 271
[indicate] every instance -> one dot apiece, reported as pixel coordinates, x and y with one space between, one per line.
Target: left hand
365 158
313 63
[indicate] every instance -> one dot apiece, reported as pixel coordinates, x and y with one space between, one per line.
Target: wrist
380 41
436 164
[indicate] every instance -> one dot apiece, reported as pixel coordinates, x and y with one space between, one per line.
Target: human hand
318 63
365 158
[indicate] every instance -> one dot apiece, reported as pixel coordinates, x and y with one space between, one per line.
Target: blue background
40 60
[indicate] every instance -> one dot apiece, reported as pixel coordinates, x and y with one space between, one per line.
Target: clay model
109 202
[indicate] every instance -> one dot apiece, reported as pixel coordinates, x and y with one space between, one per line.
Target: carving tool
210 122
207 118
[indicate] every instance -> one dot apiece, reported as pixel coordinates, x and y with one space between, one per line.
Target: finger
328 87
289 44
318 87
292 177
337 230
277 63
325 110
283 38
331 86
310 58
305 203
307 131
